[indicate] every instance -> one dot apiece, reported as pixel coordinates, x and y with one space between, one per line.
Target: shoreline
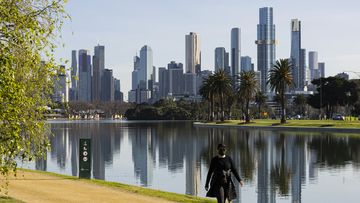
278 128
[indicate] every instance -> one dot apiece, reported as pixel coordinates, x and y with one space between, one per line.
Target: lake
175 156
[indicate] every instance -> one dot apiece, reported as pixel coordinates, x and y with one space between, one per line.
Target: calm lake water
175 156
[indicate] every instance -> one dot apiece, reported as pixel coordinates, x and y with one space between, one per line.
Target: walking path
38 187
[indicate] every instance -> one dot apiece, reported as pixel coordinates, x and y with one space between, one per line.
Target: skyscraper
146 68
302 70
266 45
74 76
321 67
295 52
313 65
220 55
176 78
163 82
135 73
98 69
108 85
192 53
246 63
235 52
84 85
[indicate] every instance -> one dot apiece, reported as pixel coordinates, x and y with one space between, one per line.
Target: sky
329 27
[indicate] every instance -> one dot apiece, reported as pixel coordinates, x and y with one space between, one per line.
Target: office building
118 95
176 78
163 82
74 75
235 52
246 64
266 45
192 53
190 84
321 67
302 70
108 86
61 87
84 84
220 55
295 53
98 69
313 65
146 68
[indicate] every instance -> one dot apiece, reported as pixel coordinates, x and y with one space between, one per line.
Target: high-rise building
74 76
176 78
108 85
146 68
295 53
61 87
190 84
321 67
220 55
84 84
118 95
313 65
235 52
135 73
98 69
302 70
266 45
192 53
163 82
246 64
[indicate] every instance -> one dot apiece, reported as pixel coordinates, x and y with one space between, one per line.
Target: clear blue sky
328 26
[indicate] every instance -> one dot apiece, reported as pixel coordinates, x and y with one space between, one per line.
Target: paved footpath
35 187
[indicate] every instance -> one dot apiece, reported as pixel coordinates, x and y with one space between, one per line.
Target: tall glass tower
295 54
266 45
146 68
192 53
235 52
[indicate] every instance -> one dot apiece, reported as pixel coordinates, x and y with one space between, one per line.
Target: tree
27 33
247 90
222 87
280 78
260 99
300 103
207 93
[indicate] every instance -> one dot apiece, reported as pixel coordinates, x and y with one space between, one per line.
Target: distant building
108 86
135 73
98 71
61 87
266 45
321 67
192 53
84 84
190 84
295 54
246 64
302 70
235 52
118 95
74 76
313 65
132 96
163 82
146 68
176 78
220 55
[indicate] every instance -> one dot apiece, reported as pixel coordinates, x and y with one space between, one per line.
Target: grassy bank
292 123
9 200
133 189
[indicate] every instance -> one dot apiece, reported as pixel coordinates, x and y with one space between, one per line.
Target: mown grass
293 123
4 199
133 189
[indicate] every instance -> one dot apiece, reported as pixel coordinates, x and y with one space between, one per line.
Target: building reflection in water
277 163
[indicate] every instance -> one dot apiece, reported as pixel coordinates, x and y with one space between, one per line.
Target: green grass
4 199
133 189
292 123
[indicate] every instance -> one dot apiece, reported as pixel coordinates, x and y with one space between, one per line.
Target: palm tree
247 90
222 87
280 78
260 99
207 93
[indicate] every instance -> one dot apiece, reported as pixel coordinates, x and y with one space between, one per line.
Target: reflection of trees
335 151
246 156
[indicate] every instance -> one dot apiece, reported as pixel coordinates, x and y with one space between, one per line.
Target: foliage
260 100
300 102
247 90
280 78
333 92
221 87
27 33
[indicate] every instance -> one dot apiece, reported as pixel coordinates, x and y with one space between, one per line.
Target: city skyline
318 21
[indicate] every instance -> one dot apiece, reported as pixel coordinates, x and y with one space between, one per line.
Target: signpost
85 158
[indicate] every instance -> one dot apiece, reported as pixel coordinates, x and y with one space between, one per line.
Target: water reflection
175 156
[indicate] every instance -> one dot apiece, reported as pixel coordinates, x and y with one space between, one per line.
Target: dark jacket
220 174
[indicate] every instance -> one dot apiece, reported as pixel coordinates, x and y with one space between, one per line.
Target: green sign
85 158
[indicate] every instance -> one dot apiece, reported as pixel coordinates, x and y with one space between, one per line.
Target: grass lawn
293 123
4 199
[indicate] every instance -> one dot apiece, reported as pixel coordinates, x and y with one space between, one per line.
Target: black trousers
222 195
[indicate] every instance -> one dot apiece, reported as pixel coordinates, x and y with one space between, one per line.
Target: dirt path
35 187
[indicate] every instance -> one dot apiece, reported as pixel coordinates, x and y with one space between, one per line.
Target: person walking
221 184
